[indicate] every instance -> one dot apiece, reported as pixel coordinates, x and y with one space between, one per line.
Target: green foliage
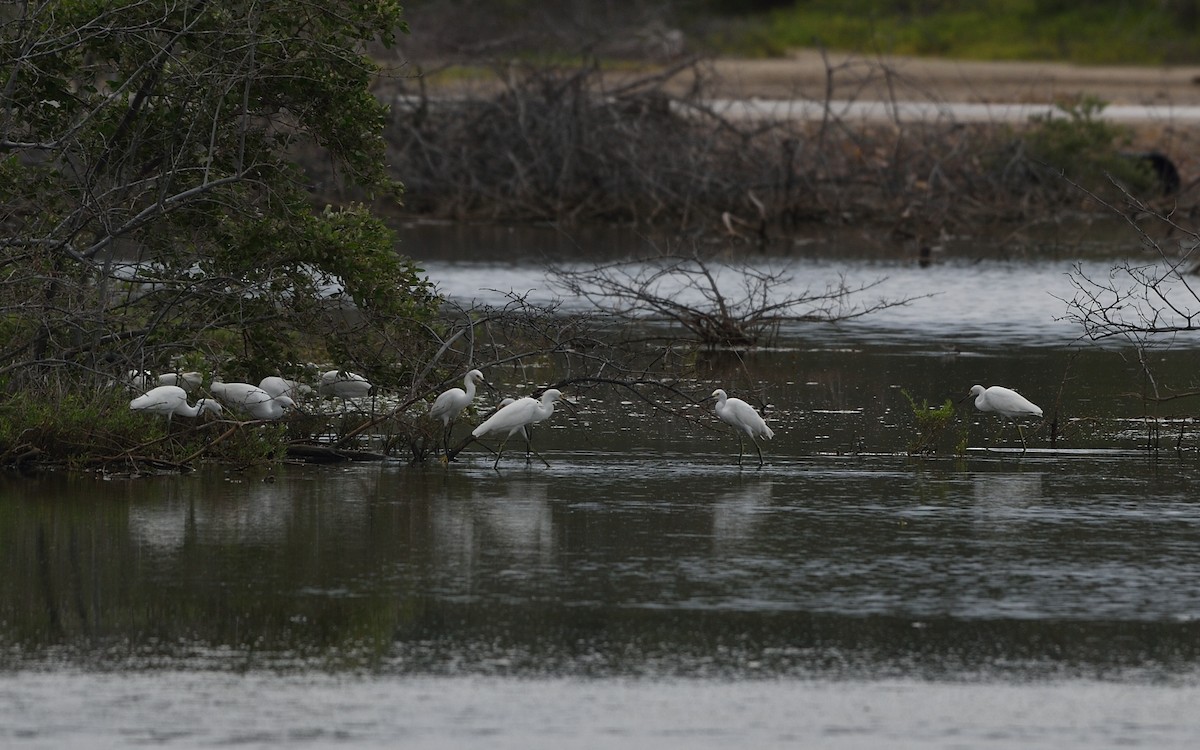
66 426
96 429
1078 142
150 207
1094 33
932 425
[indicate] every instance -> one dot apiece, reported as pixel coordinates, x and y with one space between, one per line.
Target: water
643 591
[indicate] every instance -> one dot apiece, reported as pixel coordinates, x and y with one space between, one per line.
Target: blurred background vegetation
1146 32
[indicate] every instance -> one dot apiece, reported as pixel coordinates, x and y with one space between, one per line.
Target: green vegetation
151 212
1085 148
933 424
1110 31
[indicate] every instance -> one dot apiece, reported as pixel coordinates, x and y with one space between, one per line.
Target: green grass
1109 32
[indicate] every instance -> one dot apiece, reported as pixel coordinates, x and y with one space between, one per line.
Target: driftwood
324 454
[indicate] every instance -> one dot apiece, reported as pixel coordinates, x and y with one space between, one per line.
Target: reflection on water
993 493
643 589
855 550
394 591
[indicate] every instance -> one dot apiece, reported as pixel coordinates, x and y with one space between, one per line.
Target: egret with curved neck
451 403
516 417
1007 403
169 400
743 418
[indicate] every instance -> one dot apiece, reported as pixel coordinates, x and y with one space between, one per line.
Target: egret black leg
741 448
757 448
496 463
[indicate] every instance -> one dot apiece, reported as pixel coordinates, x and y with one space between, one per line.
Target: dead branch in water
730 304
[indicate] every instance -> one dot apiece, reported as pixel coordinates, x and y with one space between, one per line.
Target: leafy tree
150 202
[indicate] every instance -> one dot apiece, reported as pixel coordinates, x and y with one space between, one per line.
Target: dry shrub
580 145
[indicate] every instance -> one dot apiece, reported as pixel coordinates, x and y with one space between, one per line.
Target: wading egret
169 400
743 418
1006 402
516 417
277 386
188 381
253 400
342 384
505 402
450 404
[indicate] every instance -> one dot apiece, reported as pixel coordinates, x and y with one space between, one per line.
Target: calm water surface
643 591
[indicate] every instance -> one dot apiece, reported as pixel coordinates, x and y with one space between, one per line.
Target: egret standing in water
451 403
1005 402
743 418
169 400
516 417
344 385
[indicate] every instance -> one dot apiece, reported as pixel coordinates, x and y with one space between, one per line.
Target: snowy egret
1006 402
505 402
188 381
169 400
343 384
743 418
516 417
277 386
450 403
253 400
140 379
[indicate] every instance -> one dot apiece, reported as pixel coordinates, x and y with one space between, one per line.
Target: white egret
188 381
1006 402
253 400
343 384
277 386
451 403
140 379
516 417
505 402
169 400
743 418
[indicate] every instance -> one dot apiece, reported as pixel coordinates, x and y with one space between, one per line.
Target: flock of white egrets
274 397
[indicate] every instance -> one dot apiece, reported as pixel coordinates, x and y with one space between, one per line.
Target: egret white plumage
505 402
253 400
1006 402
343 384
449 404
277 386
743 418
188 381
516 417
169 400
140 379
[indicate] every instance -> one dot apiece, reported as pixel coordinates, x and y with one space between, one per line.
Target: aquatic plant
932 424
